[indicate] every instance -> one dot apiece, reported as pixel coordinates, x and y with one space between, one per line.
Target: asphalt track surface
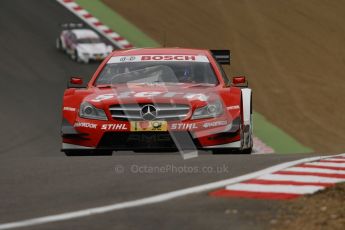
36 179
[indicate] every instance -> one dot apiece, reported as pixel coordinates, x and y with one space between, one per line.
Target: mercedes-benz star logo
148 112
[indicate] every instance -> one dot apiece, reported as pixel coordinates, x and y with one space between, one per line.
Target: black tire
247 151
74 56
59 44
232 151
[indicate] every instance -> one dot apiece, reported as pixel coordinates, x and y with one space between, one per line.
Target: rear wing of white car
72 25
222 56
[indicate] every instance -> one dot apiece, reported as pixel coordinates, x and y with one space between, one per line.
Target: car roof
85 33
161 51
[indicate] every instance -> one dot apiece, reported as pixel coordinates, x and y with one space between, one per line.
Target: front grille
141 140
166 112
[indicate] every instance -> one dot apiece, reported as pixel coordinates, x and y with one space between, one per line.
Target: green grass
271 135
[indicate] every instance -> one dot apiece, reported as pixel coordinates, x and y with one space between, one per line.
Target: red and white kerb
291 182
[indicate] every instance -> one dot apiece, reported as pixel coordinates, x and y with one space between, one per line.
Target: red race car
158 99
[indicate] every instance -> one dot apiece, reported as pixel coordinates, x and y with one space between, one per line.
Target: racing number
103 97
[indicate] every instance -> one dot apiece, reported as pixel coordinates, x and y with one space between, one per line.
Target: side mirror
239 81
75 82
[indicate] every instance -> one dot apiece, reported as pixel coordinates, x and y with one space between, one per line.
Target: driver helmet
185 73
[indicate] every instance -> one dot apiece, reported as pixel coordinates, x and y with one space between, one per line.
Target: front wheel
75 56
232 151
246 151
59 44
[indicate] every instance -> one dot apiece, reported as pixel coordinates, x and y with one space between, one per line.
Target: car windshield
157 72
88 40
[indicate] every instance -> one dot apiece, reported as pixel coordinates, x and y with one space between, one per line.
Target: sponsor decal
149 126
127 59
148 139
214 124
168 58
117 126
183 126
69 109
129 94
233 107
161 58
85 125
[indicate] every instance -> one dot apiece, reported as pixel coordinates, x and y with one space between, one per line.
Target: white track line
157 198
289 189
299 178
314 170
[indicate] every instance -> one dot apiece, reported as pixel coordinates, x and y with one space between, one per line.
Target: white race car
81 44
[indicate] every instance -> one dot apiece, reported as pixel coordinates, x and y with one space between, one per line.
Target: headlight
89 111
211 110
